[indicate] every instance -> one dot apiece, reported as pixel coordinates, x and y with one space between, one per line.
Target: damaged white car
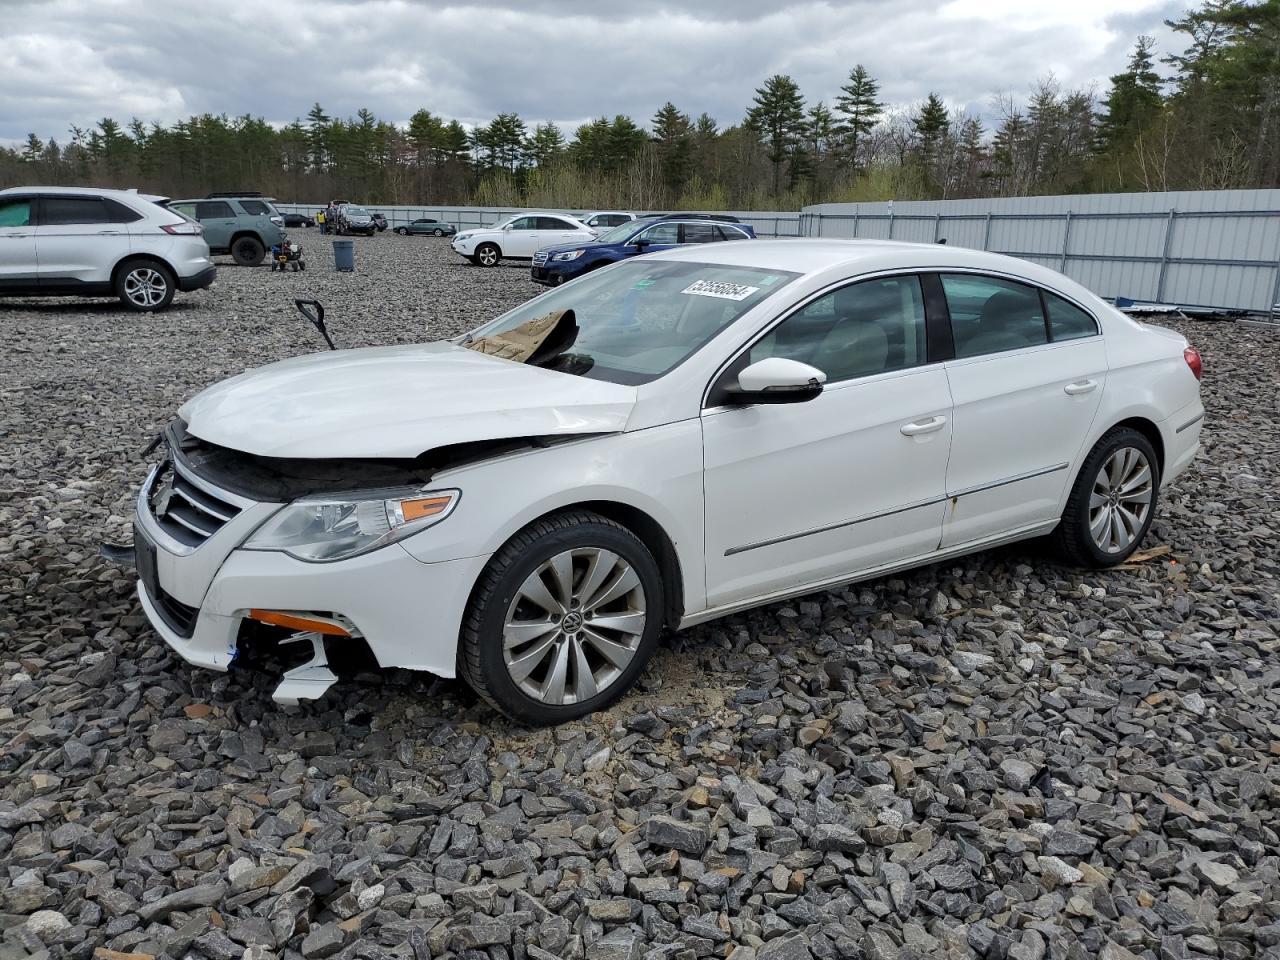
665 441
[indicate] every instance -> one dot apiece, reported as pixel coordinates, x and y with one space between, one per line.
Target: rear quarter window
1067 321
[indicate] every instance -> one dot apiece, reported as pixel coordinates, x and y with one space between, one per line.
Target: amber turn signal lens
294 621
423 507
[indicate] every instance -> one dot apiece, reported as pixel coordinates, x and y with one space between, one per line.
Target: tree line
1207 117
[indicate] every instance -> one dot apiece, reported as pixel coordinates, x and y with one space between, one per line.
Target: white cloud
75 61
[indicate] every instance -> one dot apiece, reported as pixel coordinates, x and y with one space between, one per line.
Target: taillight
1192 356
183 229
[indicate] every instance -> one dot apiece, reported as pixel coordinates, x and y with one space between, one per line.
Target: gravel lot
999 757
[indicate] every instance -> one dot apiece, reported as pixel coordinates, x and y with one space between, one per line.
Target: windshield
642 318
620 233
356 212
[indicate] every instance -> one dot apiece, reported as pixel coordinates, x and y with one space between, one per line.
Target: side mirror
777 380
507 228
641 242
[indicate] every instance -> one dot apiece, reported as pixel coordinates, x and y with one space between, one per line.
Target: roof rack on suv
723 217
232 194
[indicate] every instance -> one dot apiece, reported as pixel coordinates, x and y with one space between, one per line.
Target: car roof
814 255
99 191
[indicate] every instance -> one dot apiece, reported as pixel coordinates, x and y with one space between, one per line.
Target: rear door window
993 315
68 211
213 210
699 233
554 223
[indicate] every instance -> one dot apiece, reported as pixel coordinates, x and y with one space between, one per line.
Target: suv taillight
1192 356
183 229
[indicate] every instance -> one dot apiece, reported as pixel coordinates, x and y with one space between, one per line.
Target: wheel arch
1148 429
650 532
252 234
143 257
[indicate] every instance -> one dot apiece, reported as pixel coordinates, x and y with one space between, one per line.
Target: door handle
923 426
1080 387
108 233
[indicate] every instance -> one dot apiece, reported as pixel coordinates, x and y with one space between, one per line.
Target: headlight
463 236
319 529
568 255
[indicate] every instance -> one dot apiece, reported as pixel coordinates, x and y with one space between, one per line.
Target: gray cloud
76 61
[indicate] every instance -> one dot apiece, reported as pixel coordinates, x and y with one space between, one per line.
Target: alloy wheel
1122 495
488 256
574 626
145 287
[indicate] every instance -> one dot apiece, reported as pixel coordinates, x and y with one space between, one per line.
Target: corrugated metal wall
1215 248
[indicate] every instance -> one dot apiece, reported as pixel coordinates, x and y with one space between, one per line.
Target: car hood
398 402
593 246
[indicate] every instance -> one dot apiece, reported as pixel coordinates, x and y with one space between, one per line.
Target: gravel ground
999 757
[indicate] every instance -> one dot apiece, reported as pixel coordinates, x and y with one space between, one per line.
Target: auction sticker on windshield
720 289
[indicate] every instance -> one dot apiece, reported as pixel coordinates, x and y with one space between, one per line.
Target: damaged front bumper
203 597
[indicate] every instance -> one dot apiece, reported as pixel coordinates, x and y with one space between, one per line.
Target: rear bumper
198 281
1180 434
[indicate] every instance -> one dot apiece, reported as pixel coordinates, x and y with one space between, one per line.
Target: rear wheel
488 255
563 620
1112 502
144 285
248 251
437 233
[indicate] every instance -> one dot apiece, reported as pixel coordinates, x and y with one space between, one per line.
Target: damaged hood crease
399 402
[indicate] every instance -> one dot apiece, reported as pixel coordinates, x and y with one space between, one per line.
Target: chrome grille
540 258
184 511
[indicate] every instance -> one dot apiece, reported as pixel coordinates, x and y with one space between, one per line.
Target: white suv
519 237
86 242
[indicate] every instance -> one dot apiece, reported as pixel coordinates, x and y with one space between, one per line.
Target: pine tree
1134 99
317 137
777 116
546 143
930 125
858 111
33 149
673 138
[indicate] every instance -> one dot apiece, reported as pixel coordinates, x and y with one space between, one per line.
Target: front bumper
407 611
198 281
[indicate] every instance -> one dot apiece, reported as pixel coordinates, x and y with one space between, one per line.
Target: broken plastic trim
309 681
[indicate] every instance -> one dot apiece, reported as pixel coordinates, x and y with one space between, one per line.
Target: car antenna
313 310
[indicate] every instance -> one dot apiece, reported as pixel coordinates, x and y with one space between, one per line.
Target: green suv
243 225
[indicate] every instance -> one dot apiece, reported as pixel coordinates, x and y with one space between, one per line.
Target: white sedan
519 237
667 440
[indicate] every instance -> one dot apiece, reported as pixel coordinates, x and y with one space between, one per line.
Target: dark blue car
555 265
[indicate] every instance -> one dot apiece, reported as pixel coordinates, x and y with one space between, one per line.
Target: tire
247 251
145 286
1112 501
488 255
403 231
437 233
596 547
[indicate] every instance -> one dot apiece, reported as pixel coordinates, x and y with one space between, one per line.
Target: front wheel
403 231
563 619
1112 502
145 286
488 255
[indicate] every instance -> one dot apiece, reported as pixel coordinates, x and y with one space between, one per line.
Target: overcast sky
76 61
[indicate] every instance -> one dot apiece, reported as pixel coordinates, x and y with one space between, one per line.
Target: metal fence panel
1214 248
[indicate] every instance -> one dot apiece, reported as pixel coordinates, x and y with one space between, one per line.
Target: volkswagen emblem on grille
160 499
